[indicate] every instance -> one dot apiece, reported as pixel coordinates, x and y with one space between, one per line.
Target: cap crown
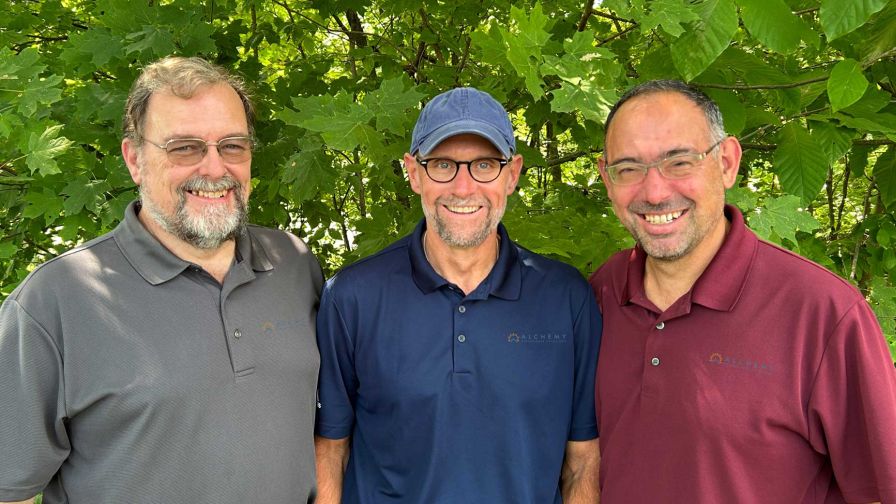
463 110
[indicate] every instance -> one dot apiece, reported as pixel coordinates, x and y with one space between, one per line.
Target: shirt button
461 338
237 333
655 361
661 325
462 308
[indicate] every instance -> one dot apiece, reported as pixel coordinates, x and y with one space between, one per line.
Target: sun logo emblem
513 338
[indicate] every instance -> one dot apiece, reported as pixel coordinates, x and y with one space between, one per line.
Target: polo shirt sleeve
337 384
33 438
587 330
852 410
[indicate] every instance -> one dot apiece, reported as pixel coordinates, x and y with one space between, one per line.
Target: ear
414 169
604 177
730 153
515 167
129 153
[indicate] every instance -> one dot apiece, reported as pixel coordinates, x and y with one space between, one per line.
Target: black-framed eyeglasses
189 151
444 170
674 167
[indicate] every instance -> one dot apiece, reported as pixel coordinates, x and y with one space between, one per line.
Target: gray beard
211 228
457 241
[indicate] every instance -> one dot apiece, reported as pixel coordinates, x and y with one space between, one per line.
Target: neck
216 262
464 267
666 281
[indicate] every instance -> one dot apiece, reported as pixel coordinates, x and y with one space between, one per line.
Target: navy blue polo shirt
451 398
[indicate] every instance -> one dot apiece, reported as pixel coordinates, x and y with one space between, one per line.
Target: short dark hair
182 77
710 109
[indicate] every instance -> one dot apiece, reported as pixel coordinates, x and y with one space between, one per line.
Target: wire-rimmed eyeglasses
678 166
189 151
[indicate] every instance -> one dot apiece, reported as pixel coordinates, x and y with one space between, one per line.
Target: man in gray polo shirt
173 359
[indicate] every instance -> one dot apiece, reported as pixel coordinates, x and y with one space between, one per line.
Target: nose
212 165
655 187
463 181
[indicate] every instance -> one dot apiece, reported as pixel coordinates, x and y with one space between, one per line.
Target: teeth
210 194
463 209
662 218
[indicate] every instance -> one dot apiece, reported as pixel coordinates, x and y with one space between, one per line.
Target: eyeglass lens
191 150
482 170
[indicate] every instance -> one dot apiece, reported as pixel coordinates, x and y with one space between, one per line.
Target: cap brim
485 130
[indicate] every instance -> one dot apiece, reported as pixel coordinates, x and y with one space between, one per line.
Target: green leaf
153 39
390 104
583 96
38 93
781 218
742 196
732 109
839 17
308 171
7 249
705 39
885 177
43 150
46 204
800 162
96 46
833 140
847 84
525 43
580 45
670 15
773 24
341 122
492 45
83 194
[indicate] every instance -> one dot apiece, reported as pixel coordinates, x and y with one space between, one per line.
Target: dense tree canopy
807 85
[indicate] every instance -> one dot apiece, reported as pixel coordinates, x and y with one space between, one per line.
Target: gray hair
709 107
182 77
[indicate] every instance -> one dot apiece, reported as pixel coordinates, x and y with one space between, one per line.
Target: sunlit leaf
846 85
800 162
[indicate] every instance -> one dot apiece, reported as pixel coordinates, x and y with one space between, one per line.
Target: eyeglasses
678 166
189 151
443 170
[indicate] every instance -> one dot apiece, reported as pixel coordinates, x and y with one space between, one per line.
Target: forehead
664 120
212 110
465 144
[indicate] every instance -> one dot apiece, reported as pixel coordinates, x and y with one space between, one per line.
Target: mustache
199 183
642 207
455 201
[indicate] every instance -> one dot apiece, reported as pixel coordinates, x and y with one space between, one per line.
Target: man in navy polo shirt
731 370
456 366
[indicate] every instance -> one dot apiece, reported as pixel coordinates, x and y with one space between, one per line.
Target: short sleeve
587 344
337 384
33 438
852 411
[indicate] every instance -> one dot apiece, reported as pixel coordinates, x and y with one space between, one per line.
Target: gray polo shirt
130 375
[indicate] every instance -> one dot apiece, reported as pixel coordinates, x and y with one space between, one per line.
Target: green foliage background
807 85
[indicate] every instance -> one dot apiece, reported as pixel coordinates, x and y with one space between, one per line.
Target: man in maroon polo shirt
731 370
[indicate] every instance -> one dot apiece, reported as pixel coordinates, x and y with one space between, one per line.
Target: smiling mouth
462 209
209 194
662 218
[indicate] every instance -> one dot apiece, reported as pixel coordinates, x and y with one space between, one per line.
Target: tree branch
586 14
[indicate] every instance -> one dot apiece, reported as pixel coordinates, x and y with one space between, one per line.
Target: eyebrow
667 154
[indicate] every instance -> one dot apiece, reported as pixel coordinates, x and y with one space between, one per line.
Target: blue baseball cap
463 110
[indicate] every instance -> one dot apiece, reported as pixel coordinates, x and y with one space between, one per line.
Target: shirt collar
156 264
503 281
720 285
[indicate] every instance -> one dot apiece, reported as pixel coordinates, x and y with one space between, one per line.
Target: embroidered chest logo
739 362
536 337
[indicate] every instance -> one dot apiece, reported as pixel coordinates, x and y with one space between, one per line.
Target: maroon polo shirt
768 382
